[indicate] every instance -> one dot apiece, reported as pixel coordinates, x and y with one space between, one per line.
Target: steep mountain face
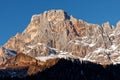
22 65
54 35
55 30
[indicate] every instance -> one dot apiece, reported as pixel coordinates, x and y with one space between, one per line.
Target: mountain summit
54 35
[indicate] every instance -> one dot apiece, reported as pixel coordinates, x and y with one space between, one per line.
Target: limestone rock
56 33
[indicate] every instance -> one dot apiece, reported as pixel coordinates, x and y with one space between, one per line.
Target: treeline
75 70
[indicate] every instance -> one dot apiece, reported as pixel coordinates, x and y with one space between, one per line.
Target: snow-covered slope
9 52
56 34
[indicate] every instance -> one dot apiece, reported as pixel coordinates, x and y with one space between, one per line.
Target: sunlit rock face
55 33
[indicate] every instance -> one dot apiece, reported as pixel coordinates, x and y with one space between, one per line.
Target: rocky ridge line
54 33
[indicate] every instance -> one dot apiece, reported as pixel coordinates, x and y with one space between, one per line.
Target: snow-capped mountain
55 35
55 31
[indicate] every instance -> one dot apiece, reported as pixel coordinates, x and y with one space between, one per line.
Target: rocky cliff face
54 34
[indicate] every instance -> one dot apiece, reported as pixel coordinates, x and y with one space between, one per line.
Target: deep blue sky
15 15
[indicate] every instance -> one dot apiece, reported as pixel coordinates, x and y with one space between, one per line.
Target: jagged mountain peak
51 15
53 36
56 32
118 23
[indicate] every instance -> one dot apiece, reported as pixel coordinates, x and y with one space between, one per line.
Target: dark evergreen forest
74 70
